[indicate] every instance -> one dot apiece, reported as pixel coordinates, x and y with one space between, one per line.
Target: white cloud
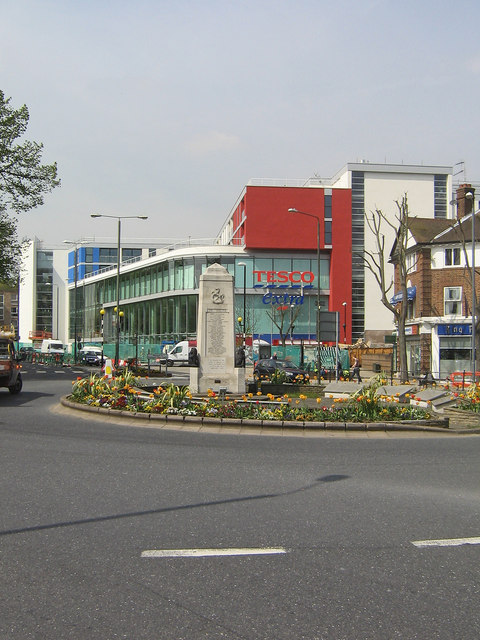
212 142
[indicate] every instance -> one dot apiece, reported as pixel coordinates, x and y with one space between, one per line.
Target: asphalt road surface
117 531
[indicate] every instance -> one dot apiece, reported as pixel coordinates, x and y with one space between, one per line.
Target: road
308 538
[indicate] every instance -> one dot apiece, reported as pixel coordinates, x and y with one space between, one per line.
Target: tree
284 318
23 180
11 249
376 261
23 183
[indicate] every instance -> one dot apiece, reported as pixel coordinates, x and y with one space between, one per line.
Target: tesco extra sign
285 278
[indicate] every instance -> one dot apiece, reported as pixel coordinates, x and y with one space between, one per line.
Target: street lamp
102 313
119 227
470 196
317 219
243 264
344 305
75 244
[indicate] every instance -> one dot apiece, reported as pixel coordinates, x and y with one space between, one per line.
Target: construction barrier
462 378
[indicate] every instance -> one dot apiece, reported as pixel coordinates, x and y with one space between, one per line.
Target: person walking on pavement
356 370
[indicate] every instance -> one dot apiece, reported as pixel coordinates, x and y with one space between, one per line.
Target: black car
266 368
91 358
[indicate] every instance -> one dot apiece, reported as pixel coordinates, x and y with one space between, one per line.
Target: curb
425 426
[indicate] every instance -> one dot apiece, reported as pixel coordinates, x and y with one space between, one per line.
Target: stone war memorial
216 335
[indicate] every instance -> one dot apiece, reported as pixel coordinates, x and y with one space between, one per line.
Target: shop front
454 348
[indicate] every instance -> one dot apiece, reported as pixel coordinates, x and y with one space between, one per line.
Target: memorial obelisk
216 335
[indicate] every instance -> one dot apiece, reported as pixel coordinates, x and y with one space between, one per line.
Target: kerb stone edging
432 426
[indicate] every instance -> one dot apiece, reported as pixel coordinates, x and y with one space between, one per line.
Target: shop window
452 257
452 297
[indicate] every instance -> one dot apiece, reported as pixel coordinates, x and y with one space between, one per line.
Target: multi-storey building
440 296
273 253
47 269
369 187
266 246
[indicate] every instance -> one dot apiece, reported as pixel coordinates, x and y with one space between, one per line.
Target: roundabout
364 410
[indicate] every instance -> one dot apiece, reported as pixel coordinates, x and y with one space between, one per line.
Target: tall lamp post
344 305
102 313
75 245
470 196
119 313
243 264
317 219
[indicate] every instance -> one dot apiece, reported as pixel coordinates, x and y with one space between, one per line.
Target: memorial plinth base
233 381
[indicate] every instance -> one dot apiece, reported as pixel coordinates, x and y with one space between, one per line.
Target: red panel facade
341 256
269 225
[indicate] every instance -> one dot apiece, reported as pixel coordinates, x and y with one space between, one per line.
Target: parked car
10 375
266 368
91 357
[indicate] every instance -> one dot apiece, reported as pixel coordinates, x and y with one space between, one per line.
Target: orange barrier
462 378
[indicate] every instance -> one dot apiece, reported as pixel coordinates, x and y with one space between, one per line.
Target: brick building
440 299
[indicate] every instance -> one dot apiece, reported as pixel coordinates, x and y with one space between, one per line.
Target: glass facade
358 247
440 196
44 288
160 301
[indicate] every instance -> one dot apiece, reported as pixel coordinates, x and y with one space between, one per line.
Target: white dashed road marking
202 553
448 542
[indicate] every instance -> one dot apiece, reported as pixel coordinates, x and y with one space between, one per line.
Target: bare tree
376 262
284 317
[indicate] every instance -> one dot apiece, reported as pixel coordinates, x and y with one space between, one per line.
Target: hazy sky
168 108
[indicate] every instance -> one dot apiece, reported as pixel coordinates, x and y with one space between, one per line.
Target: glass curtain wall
167 310
44 288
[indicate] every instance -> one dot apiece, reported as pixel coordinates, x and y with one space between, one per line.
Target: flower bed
122 393
469 398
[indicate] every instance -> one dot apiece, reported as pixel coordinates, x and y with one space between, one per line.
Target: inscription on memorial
216 332
216 365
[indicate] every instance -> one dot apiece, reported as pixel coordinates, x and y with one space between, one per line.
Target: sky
168 108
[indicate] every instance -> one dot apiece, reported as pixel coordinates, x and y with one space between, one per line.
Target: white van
179 353
52 346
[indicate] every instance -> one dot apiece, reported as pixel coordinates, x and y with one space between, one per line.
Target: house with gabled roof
439 292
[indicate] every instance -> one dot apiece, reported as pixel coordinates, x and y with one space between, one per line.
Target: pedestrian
339 369
356 370
274 355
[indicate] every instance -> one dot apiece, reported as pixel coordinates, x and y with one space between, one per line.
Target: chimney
464 205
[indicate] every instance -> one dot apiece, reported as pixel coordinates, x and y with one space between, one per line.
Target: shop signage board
454 329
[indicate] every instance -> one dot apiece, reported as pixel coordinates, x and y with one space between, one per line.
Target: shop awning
398 297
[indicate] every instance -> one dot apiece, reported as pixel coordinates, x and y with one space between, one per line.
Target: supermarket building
273 255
